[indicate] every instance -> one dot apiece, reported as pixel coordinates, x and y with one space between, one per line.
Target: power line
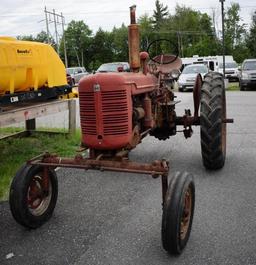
184 32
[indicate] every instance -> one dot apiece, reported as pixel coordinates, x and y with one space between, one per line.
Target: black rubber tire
173 212
19 192
212 113
181 89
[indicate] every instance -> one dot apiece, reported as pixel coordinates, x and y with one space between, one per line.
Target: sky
23 17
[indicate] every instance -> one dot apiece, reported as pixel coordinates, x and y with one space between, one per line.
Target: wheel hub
186 215
38 199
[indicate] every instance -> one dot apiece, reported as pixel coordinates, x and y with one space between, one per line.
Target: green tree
26 37
120 44
78 41
146 30
160 14
192 31
42 37
234 30
251 39
101 48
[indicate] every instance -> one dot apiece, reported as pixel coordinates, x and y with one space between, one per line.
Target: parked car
114 67
188 76
76 73
231 70
247 76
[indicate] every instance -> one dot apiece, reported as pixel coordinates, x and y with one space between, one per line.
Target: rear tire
213 130
32 202
178 213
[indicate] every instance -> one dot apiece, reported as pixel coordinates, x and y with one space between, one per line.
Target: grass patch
15 151
9 130
233 87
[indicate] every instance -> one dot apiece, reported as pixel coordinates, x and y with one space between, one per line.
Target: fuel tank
27 65
106 107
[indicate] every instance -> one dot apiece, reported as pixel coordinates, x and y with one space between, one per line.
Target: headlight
175 73
245 76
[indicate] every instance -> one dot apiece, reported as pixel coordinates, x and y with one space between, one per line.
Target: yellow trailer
30 70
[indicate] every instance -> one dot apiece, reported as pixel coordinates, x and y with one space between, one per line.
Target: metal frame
41 94
155 169
28 113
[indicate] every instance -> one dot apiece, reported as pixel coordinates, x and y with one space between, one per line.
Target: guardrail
29 112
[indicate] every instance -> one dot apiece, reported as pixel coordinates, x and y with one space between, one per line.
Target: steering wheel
157 59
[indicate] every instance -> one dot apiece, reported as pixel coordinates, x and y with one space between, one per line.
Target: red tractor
117 111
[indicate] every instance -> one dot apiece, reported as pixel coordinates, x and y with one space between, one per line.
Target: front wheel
33 195
212 120
178 213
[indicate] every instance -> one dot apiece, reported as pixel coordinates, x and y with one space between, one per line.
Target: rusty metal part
187 120
135 139
164 180
133 14
147 105
138 113
144 58
190 120
134 42
122 154
186 214
197 94
143 134
39 193
163 66
228 120
157 168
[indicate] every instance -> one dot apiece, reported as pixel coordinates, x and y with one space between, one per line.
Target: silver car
114 67
188 76
76 73
231 70
247 78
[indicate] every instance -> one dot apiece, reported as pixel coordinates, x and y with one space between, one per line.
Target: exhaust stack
134 42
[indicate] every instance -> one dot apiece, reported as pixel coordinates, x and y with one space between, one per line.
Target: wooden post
72 116
30 125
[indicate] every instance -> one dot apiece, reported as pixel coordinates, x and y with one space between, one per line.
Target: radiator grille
87 113
115 112
253 76
114 109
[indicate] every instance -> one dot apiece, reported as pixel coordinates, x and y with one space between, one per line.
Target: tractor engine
118 109
115 109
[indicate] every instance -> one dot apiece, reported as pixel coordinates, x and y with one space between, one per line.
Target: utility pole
223 35
64 40
56 31
47 26
56 18
181 44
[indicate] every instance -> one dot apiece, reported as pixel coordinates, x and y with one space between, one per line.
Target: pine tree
251 41
160 14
